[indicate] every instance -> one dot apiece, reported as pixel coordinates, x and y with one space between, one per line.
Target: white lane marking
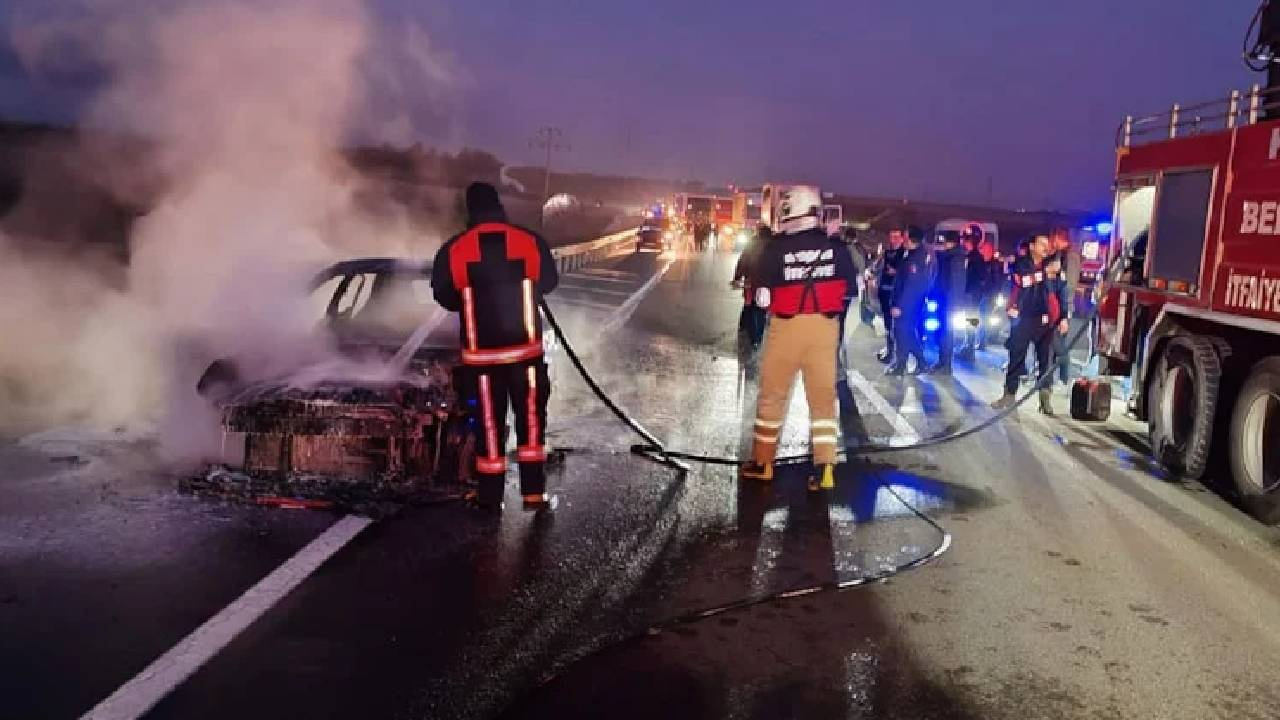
590 289
150 686
599 279
911 404
583 302
846 552
906 434
606 271
627 308
773 529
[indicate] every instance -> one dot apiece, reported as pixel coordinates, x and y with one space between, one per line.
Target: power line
549 139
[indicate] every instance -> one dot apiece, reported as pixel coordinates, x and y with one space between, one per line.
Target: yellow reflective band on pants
804 344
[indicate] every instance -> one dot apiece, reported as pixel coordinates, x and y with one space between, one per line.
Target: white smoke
246 104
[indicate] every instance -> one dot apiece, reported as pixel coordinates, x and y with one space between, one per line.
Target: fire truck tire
1254 447
1182 400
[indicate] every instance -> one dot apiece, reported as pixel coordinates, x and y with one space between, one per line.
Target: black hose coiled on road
655 450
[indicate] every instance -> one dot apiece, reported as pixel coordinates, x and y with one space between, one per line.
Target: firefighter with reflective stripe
495 274
1039 307
803 278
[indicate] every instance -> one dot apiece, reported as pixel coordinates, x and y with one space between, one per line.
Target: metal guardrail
572 257
1236 110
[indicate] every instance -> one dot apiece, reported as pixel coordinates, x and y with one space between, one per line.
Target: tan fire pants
804 344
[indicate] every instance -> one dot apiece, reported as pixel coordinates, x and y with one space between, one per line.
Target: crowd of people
960 276
799 284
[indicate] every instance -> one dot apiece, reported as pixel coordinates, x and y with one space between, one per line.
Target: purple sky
927 97
923 98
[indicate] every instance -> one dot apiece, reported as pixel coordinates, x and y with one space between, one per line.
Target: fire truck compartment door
1182 215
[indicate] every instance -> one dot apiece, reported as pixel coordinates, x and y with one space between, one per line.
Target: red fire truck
1189 307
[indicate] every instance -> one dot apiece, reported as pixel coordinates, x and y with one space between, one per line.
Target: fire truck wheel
1255 453
1182 400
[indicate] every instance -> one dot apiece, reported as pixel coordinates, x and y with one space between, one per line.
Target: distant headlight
932 324
931 306
1000 301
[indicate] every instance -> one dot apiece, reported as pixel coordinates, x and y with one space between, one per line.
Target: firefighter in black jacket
803 280
915 275
495 274
1039 307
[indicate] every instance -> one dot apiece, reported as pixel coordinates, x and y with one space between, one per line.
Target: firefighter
915 275
1039 308
803 279
951 292
495 274
884 289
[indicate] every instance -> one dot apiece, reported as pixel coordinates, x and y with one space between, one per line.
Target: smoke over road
245 105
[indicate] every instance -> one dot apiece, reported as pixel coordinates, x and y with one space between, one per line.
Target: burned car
377 419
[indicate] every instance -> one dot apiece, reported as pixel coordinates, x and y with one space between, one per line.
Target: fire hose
655 450
653 447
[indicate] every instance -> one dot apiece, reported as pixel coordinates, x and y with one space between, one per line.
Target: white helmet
799 208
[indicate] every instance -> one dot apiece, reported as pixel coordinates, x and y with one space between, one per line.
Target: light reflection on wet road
444 613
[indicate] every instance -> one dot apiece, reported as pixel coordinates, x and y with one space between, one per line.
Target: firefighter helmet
799 208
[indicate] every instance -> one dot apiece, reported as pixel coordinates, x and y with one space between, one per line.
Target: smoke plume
244 106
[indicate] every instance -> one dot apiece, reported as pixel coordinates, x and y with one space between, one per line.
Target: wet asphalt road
1080 584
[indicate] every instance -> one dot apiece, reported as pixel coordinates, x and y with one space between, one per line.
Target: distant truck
746 216
1190 301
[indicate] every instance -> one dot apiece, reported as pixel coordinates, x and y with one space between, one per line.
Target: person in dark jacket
915 275
752 319
985 280
950 292
889 264
1068 273
495 274
1039 307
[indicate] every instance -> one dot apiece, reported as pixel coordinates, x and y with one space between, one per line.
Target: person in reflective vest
803 279
1039 308
494 274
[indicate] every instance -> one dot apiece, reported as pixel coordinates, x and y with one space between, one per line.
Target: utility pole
548 139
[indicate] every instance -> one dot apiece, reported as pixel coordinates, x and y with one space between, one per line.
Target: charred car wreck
377 421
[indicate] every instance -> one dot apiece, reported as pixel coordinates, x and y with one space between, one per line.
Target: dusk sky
928 98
